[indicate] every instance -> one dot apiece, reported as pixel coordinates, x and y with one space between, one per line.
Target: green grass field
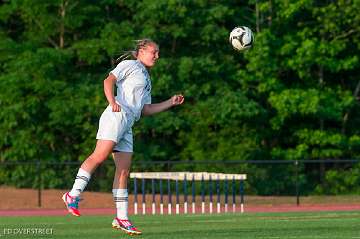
254 225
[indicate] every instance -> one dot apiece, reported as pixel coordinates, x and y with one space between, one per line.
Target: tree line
292 96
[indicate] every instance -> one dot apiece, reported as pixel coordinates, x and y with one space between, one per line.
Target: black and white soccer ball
241 38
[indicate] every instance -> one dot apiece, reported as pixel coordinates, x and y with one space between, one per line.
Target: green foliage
293 96
344 181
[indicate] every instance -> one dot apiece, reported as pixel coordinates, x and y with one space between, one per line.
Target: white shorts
116 126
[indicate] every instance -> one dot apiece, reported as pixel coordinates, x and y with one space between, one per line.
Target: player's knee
96 159
123 173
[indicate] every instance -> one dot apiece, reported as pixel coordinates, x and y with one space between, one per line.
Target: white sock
121 203
81 180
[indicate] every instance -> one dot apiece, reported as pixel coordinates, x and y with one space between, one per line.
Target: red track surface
247 209
27 199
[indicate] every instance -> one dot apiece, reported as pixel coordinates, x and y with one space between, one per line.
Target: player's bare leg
71 199
121 221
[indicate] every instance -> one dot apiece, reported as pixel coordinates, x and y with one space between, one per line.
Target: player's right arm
150 109
109 83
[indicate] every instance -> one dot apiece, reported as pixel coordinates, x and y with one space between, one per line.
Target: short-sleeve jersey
133 86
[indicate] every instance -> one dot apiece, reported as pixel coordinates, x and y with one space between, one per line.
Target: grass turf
254 225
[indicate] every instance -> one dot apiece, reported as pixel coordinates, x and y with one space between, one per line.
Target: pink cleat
72 204
126 226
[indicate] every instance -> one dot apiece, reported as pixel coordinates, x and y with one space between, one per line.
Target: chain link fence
290 179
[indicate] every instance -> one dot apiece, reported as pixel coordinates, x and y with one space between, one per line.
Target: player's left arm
150 109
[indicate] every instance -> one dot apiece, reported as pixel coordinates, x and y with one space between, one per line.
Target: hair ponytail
125 56
139 44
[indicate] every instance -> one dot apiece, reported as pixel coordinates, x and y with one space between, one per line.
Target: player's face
149 55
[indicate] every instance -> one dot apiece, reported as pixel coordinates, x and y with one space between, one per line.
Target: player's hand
116 107
177 100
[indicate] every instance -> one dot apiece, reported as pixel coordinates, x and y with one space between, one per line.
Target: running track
247 209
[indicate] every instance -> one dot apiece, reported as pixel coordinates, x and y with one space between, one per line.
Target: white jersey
133 86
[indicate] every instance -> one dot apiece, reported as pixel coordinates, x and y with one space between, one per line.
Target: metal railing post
38 169
297 183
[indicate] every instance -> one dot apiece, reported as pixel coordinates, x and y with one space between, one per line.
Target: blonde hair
139 44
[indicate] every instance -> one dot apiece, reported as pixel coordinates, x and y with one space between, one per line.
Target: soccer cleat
72 204
126 226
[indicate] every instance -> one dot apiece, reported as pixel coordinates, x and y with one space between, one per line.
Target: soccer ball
241 38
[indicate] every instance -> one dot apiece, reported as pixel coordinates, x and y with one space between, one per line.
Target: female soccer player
115 134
